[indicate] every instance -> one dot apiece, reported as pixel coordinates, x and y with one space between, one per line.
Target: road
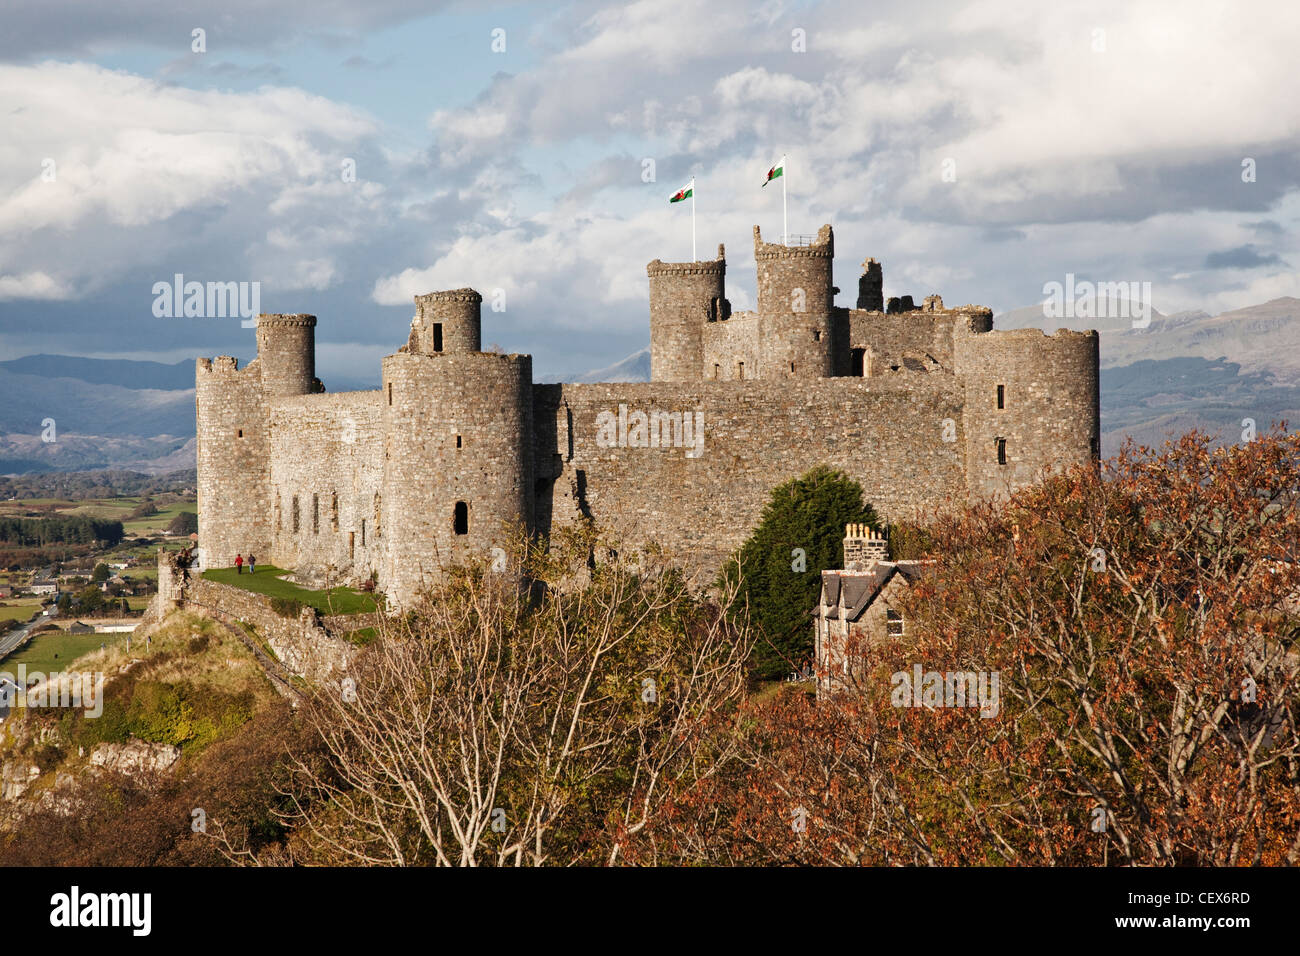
10 641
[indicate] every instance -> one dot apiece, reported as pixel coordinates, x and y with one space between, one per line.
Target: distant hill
1190 370
634 368
122 414
121 372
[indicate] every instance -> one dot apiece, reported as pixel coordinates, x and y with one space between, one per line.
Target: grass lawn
20 609
55 650
267 581
140 602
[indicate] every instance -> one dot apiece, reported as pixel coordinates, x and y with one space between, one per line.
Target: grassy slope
267 580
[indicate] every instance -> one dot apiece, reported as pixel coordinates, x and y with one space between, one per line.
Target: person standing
252 563
239 564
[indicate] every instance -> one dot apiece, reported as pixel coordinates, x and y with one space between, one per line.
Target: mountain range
1182 371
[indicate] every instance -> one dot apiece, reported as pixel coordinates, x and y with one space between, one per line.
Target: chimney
863 548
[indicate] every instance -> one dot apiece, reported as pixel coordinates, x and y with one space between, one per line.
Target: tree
508 725
185 523
1143 623
101 574
778 569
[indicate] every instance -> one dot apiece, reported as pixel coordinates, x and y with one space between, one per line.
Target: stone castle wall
886 432
1051 404
459 447
234 458
327 459
684 296
458 429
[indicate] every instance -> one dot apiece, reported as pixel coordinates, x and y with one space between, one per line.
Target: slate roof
856 590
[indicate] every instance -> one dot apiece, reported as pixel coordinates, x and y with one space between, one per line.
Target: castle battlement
459 449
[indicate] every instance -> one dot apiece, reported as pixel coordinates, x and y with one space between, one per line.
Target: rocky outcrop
135 757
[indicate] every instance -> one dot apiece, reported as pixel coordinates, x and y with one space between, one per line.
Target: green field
267 581
55 650
112 509
19 609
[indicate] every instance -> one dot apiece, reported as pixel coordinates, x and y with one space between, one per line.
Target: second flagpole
694 258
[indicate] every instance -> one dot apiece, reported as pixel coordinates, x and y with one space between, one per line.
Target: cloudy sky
979 150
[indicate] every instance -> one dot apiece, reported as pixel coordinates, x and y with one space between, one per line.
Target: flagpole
785 213
693 256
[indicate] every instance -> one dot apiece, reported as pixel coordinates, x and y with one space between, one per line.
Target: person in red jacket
239 564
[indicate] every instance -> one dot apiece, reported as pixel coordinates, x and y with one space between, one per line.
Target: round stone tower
286 352
796 303
458 463
449 321
684 296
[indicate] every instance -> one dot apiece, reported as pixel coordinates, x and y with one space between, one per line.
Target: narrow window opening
717 371
315 514
352 545
857 362
1002 396
363 532
240 434
437 336
1002 451
460 519
295 514
390 393
334 511
740 370
792 366
378 528
457 441
817 335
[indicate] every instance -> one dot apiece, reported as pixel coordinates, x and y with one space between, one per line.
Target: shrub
287 607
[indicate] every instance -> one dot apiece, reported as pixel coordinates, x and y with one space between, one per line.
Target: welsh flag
686 192
776 172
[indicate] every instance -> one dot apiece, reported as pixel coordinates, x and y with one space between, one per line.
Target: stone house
859 605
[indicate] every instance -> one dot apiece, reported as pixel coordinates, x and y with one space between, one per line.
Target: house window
460 518
295 514
1002 396
893 623
437 336
315 514
1002 451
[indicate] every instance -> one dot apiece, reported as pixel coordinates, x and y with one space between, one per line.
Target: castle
925 406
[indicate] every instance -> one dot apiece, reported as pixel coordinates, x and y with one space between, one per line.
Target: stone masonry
925 406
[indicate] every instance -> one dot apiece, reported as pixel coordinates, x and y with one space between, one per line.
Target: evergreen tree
800 534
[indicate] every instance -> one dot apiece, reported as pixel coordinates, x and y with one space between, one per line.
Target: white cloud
32 285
